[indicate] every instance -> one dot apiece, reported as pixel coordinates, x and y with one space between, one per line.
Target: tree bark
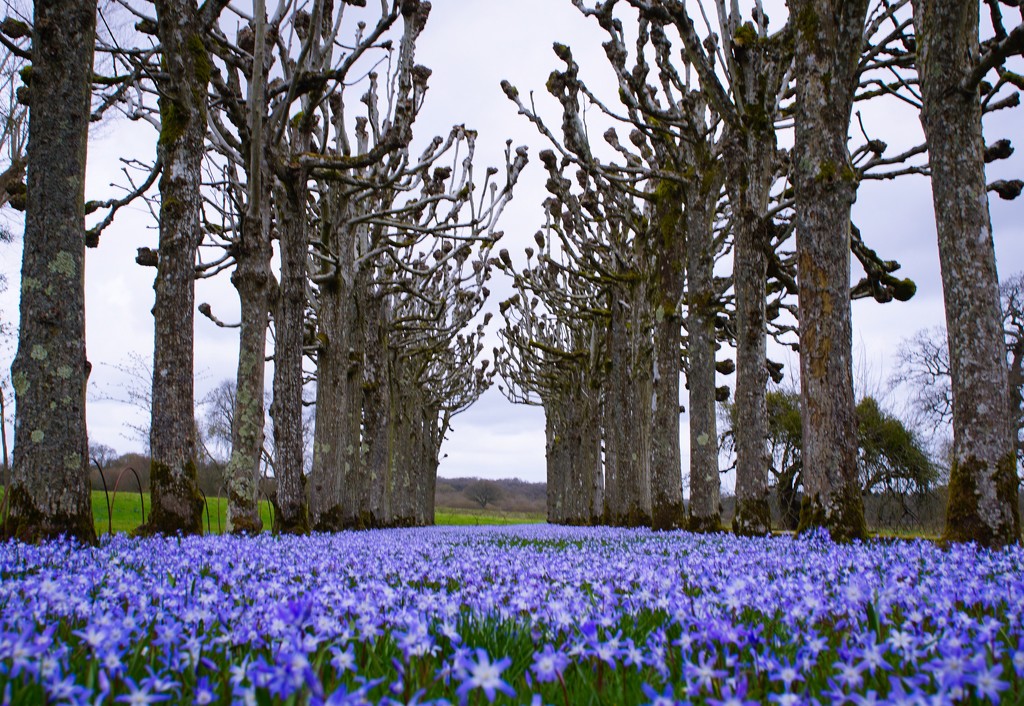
982 504
574 454
626 416
252 279
291 512
49 493
430 433
829 39
669 232
405 400
750 156
177 504
705 480
557 463
339 394
372 487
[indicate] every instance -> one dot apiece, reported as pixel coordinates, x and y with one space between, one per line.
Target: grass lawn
126 513
453 516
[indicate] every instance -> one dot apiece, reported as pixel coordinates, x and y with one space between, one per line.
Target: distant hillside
510 494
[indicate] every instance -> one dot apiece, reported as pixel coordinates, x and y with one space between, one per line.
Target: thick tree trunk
626 420
574 455
751 428
750 158
705 481
177 504
338 392
557 462
983 482
669 231
291 511
584 504
49 492
760 68
372 487
829 41
430 434
406 406
252 279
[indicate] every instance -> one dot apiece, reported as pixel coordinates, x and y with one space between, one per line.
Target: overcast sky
471 47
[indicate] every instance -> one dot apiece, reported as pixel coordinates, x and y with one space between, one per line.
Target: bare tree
484 493
952 64
829 41
1012 291
49 490
923 369
183 83
552 355
13 116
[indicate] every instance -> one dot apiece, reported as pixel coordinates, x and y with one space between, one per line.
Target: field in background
126 513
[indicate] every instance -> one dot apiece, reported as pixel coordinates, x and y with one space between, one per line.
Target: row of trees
284 157
627 257
294 134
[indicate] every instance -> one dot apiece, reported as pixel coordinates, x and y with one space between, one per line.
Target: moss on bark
668 516
27 523
844 521
753 517
294 522
705 524
635 517
964 517
177 502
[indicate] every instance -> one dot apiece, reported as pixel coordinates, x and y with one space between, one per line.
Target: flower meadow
522 615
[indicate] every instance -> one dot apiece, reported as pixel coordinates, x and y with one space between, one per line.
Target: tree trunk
291 511
983 482
374 483
49 492
574 454
557 462
627 405
405 402
430 435
828 47
252 279
669 232
705 481
338 390
750 156
177 504
585 508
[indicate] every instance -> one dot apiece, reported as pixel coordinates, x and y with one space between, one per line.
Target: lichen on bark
48 494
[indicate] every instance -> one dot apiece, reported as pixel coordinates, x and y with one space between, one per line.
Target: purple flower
203 693
987 683
343 660
139 695
704 672
549 664
733 696
665 698
485 674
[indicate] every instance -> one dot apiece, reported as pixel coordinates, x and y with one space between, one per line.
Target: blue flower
549 664
987 684
139 695
485 674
